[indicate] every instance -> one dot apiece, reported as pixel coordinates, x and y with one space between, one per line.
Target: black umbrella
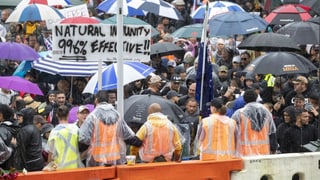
315 19
136 109
165 48
280 63
269 42
314 5
302 32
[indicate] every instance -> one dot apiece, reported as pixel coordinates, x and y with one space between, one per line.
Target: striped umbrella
215 8
110 7
134 71
62 3
158 7
65 68
34 12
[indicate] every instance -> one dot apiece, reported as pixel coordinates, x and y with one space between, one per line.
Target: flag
204 82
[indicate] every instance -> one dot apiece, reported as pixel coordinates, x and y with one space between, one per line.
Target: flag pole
204 41
120 88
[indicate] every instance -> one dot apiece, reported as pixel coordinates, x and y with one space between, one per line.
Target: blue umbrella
110 7
65 68
34 12
134 71
235 23
215 8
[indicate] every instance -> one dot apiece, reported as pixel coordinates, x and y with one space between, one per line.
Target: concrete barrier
94 173
186 170
302 166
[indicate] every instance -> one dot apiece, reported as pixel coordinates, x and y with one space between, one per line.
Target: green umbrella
193 30
127 20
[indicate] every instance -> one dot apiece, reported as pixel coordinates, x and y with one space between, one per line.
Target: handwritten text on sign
99 42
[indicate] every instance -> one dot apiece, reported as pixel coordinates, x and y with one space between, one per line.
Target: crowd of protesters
35 133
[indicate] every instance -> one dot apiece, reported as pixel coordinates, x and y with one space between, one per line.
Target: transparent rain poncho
105 132
216 138
255 124
160 138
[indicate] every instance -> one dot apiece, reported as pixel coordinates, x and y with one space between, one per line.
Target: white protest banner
99 42
74 11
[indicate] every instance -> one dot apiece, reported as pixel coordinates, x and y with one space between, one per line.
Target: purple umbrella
19 84
17 51
74 110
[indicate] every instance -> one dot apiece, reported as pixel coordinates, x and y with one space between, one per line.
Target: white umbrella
34 12
65 68
158 7
134 71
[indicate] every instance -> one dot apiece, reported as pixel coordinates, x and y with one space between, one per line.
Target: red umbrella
80 20
288 13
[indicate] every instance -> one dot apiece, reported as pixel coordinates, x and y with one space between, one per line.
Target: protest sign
99 42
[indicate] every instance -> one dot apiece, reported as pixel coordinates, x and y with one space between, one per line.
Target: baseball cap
300 79
155 79
236 59
82 108
175 78
171 94
171 63
223 68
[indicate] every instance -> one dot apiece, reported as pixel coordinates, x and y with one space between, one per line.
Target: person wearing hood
299 134
8 132
256 128
29 144
288 120
104 134
161 139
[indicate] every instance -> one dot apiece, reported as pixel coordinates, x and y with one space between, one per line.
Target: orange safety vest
253 142
219 141
159 141
104 145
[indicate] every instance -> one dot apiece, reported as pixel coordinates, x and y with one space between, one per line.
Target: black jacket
295 137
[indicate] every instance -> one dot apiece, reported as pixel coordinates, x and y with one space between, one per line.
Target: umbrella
315 20
34 12
158 7
314 5
134 71
65 68
110 7
135 109
74 110
235 22
127 20
302 32
19 84
286 14
269 42
79 20
193 30
165 48
24 3
280 63
17 51
215 8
